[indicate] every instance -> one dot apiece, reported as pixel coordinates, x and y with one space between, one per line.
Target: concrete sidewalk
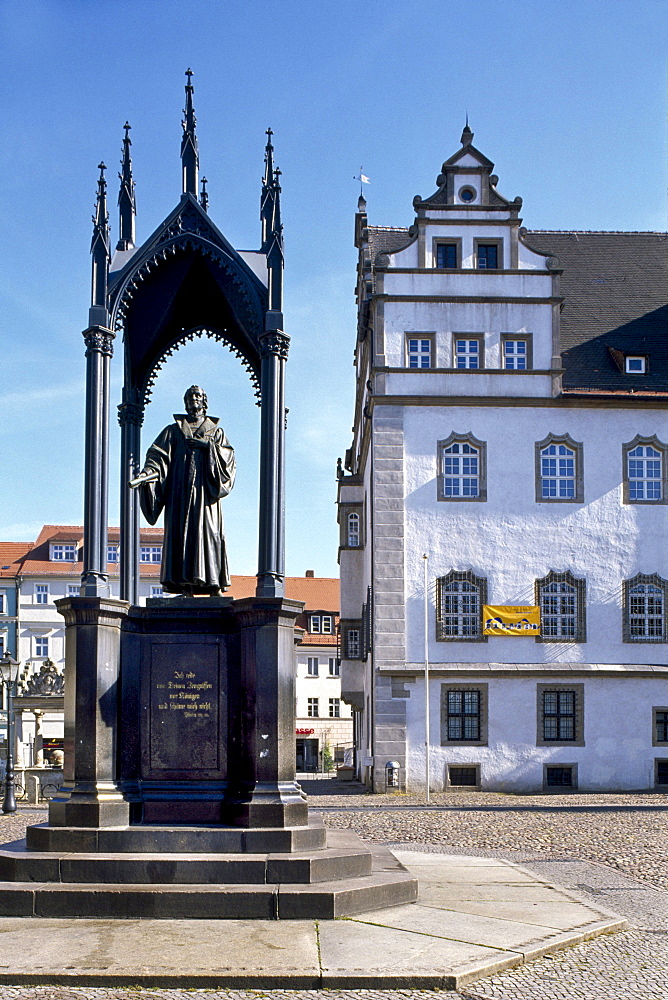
474 917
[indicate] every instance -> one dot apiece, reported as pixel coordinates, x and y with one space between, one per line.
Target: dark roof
615 288
386 239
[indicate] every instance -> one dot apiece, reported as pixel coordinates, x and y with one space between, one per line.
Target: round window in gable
467 194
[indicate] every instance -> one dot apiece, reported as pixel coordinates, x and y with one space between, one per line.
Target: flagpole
427 739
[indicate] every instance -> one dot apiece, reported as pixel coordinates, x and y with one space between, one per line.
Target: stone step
142 839
389 884
344 857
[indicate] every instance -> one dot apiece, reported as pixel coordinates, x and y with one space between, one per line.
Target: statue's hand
143 477
197 443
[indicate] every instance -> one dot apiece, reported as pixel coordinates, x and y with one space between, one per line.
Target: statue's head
195 400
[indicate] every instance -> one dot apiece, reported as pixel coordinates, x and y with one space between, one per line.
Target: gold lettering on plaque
186 694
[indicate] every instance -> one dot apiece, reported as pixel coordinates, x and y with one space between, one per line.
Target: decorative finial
268 196
126 197
204 197
99 247
467 134
189 151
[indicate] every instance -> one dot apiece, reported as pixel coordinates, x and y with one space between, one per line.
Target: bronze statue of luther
189 468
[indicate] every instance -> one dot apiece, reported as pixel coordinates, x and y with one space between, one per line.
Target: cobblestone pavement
609 849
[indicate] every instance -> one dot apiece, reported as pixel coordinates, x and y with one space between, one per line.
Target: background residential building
510 423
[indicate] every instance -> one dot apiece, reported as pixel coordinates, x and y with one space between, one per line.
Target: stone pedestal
90 796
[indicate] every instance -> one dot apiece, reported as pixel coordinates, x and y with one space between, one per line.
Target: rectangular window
73 590
661 772
41 646
559 470
487 256
321 624
312 708
3 603
41 593
459 601
644 473
560 776
157 592
418 352
334 667
446 255
334 708
353 649
461 468
64 553
515 355
660 725
559 715
463 715
112 553
312 666
150 553
463 776
635 364
468 353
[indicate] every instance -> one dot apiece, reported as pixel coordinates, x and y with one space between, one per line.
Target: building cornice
557 402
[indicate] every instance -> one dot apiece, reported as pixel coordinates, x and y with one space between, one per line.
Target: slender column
99 349
39 739
271 568
130 417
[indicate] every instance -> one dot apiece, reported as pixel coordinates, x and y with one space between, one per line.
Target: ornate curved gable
185 280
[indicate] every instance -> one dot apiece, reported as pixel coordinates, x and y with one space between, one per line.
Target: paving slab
440 942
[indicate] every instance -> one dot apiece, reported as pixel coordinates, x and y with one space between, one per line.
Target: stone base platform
341 879
474 917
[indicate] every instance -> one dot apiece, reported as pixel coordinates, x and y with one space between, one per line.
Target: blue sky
568 99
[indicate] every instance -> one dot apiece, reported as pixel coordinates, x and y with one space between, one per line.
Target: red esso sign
304 732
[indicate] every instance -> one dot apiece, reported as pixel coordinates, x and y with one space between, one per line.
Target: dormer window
635 364
64 552
321 624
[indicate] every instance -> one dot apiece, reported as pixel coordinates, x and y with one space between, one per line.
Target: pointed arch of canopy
186 280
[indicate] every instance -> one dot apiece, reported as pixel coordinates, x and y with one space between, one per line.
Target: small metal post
427 739
9 666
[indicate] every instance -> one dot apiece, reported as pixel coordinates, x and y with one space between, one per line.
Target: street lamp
10 673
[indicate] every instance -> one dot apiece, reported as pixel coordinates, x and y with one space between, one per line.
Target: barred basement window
560 776
559 470
645 600
561 597
464 775
459 600
660 726
660 771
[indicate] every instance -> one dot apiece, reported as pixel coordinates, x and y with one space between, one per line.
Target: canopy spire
99 246
204 195
267 198
467 134
189 152
126 197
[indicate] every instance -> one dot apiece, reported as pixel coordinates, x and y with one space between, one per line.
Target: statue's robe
196 469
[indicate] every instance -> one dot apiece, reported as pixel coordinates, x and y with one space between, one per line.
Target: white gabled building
511 424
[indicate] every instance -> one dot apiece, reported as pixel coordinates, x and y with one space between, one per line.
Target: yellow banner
506 619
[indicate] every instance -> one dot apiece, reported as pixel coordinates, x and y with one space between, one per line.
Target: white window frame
155 554
645 602
562 601
312 708
334 667
640 481
3 602
510 356
321 625
112 553
559 470
63 552
312 666
335 708
466 354
157 591
39 641
460 597
42 593
639 360
73 589
455 479
421 352
353 529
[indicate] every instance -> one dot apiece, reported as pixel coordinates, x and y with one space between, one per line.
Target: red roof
11 554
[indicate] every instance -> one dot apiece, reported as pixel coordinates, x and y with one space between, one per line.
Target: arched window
559 470
459 600
561 598
645 472
353 529
462 468
645 600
